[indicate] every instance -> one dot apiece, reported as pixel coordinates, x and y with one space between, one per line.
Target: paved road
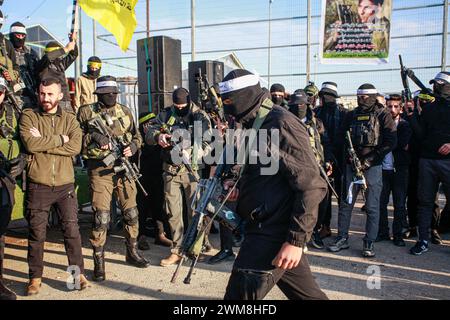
341 276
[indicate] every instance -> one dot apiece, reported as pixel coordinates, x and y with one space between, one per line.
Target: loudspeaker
210 70
164 55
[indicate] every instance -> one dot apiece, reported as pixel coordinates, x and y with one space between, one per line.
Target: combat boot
5 293
99 265
134 257
162 240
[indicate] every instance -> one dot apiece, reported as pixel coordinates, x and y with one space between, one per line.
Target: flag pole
75 17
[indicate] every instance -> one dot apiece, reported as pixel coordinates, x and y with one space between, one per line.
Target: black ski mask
16 42
442 90
328 99
278 100
108 99
93 74
299 110
367 102
241 102
183 112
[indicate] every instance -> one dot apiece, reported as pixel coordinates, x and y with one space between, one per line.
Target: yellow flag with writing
116 16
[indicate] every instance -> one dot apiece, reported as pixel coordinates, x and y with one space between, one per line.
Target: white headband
2 20
3 82
442 76
106 84
329 86
364 92
18 29
238 83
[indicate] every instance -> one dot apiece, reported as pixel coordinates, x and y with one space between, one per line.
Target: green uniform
103 181
178 182
11 147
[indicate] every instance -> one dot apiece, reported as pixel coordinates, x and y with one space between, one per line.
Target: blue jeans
374 181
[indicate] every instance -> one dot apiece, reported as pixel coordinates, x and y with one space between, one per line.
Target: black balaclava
107 99
17 43
328 99
276 87
245 92
91 73
181 96
298 104
367 104
442 91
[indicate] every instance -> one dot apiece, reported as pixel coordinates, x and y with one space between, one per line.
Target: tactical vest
365 129
120 129
9 133
6 62
315 141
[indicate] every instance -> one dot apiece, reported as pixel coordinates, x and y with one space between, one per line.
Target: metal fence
242 27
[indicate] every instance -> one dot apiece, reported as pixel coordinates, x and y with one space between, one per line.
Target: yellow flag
116 16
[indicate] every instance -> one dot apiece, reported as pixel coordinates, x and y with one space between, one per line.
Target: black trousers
39 199
151 210
397 183
412 203
325 207
431 174
253 276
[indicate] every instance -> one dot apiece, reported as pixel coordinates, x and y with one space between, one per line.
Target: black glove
17 165
133 148
99 139
368 161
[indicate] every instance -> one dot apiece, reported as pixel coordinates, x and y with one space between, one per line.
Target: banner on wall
355 31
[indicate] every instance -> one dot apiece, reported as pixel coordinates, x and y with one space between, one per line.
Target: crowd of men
387 145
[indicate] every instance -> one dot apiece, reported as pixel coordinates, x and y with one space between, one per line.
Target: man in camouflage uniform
11 166
26 59
178 182
103 179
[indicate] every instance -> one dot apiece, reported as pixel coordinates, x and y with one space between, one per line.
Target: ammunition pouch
365 130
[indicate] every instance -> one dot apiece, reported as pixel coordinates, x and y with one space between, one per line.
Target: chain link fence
242 27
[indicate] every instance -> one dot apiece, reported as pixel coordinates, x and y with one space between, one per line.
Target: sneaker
316 241
435 237
420 247
399 242
368 249
340 243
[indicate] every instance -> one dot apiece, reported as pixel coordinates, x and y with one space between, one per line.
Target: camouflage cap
311 90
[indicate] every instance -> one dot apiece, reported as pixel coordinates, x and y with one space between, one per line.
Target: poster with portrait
355 31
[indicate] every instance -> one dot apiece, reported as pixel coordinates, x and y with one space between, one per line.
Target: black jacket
56 63
387 141
401 153
432 129
332 118
284 204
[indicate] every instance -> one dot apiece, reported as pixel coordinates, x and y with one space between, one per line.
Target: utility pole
269 53
444 37
308 44
94 38
192 30
148 18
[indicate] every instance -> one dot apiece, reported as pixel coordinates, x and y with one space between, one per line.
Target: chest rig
9 133
365 129
118 123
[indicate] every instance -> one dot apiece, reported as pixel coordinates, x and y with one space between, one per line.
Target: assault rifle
209 200
356 166
118 145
